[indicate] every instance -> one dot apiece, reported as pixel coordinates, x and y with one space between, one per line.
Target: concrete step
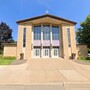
47 59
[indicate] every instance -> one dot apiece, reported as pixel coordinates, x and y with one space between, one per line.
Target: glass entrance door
55 52
46 52
36 52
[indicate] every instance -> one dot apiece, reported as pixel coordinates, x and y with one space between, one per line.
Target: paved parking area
45 72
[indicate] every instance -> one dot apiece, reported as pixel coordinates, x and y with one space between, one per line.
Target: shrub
88 50
1 51
87 58
81 58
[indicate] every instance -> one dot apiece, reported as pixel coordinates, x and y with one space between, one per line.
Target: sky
13 10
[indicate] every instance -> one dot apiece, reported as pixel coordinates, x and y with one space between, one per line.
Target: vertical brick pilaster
65 42
28 50
73 39
20 41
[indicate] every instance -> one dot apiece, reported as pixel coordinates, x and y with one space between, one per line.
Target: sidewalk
64 73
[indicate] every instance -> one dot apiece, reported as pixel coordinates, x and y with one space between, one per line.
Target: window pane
46 32
36 52
56 51
24 37
68 33
37 32
55 32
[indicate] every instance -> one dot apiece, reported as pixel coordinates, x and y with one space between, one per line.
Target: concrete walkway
63 74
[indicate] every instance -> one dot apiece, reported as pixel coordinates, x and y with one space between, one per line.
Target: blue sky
13 10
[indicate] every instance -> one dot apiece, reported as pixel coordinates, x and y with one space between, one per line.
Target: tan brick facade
28 49
65 42
10 50
65 50
82 50
20 49
20 41
73 40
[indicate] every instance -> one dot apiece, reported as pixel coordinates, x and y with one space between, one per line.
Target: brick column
73 40
65 42
28 50
20 41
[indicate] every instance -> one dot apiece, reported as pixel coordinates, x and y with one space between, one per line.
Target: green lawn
6 60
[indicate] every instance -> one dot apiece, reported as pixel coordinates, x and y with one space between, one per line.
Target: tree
83 33
5 34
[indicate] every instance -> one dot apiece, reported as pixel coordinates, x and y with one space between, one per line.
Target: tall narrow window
24 37
46 32
37 32
55 32
68 34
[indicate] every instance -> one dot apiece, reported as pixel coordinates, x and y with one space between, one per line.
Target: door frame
54 52
34 51
46 51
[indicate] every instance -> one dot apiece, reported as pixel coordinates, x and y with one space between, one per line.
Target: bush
81 58
1 51
87 58
88 50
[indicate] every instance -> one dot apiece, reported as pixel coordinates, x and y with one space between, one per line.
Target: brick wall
82 50
10 50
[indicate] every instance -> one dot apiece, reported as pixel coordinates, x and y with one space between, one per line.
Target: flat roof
9 43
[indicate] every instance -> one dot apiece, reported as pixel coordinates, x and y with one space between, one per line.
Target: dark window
55 32
24 37
46 32
37 32
68 33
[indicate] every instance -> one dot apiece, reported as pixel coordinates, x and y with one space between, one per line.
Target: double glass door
46 52
36 52
56 52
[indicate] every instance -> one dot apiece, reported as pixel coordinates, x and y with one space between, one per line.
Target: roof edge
9 43
46 15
